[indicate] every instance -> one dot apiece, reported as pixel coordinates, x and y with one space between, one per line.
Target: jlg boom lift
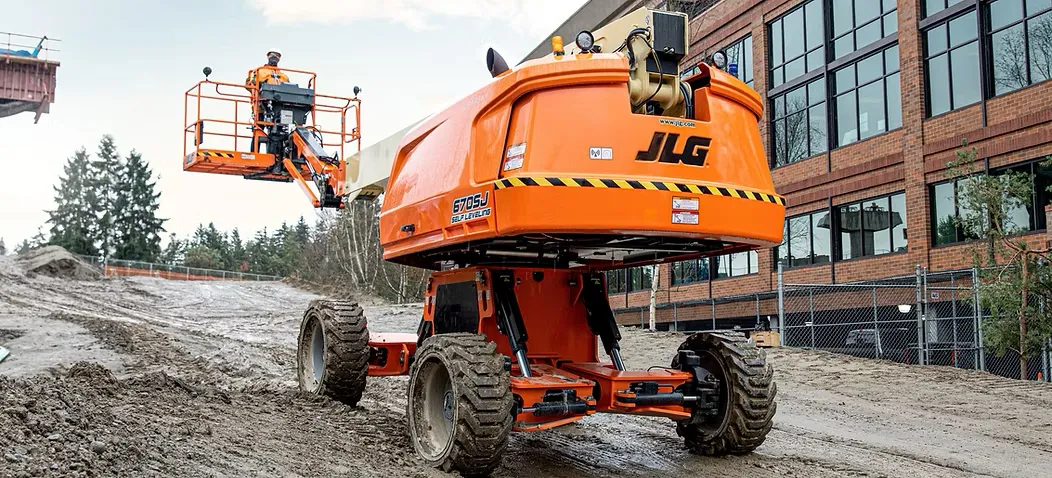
518 197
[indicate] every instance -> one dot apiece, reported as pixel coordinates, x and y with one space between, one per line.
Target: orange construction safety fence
189 274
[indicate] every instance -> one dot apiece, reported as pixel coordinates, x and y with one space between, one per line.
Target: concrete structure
27 76
867 101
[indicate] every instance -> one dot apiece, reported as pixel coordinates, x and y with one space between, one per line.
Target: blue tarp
24 53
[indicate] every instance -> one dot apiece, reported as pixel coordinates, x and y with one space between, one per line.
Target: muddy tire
746 400
332 356
459 403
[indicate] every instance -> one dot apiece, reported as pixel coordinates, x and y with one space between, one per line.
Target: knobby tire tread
751 402
346 349
484 400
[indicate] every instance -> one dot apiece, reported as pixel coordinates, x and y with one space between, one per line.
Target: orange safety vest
266 74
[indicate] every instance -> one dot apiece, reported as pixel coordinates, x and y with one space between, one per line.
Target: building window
739 59
945 209
872 227
946 205
796 43
689 272
1020 35
951 64
737 264
868 97
799 123
615 281
639 278
857 23
931 7
629 280
805 240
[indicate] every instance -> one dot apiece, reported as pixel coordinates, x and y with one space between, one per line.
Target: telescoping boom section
273 132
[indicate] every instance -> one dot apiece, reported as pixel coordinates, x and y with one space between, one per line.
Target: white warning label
516 150
513 163
685 217
685 204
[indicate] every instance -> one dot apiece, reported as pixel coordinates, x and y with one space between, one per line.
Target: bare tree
1020 61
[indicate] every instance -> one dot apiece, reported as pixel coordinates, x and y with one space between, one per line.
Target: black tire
747 393
459 403
333 351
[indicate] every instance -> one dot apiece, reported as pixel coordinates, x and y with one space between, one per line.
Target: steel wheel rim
435 402
317 352
711 361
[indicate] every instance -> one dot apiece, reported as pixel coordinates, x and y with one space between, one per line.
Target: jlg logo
693 153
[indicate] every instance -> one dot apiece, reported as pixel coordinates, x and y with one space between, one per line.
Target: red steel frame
562 350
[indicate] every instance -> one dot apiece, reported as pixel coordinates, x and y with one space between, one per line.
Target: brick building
867 101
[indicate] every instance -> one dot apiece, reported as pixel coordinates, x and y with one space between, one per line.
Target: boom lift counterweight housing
519 197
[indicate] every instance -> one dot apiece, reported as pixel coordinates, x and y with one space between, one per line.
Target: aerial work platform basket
227 130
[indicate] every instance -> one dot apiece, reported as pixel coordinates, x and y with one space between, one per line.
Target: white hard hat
274 50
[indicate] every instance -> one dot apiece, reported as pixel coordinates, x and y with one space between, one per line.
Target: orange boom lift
519 197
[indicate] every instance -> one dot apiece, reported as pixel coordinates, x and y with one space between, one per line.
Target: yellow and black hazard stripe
640 184
216 154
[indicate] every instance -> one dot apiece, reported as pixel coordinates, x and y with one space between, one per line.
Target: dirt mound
54 261
334 291
7 335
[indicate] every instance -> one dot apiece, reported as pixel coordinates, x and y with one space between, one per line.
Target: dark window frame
1035 208
943 21
786 242
836 95
742 40
750 270
823 44
838 253
678 272
855 27
990 58
824 73
784 119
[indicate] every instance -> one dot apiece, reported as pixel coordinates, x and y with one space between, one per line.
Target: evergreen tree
237 259
302 232
175 252
138 229
24 247
73 221
104 184
3 247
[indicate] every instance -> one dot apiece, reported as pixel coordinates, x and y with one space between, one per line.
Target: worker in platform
269 73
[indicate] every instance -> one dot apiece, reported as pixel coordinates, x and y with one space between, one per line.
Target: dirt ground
145 377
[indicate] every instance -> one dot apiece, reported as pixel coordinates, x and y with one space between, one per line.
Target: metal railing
123 268
27 46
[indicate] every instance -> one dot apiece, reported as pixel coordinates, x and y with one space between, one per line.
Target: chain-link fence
122 268
922 319
743 312
929 318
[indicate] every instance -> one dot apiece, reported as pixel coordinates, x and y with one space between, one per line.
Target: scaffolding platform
27 75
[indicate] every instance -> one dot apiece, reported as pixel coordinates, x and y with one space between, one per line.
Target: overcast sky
127 63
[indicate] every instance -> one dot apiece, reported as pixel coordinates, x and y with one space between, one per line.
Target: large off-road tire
746 399
459 403
333 352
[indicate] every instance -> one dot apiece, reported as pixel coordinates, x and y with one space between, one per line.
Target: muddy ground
145 377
